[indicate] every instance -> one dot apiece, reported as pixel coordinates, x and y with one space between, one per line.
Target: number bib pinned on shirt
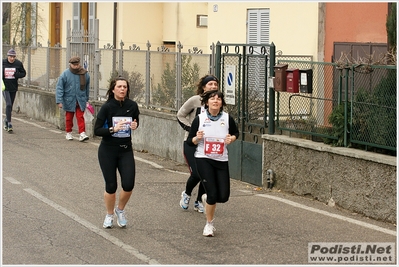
213 147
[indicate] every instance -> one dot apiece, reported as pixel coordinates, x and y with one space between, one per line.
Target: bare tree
20 23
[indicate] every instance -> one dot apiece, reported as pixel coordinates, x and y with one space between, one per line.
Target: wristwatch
111 130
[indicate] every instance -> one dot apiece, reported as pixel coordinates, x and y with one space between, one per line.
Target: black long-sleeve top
11 73
114 108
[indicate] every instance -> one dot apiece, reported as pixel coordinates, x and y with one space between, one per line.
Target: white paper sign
230 84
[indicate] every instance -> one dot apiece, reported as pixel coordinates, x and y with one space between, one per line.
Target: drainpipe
114 37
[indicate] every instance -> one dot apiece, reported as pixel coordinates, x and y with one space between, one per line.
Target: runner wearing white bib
211 132
186 114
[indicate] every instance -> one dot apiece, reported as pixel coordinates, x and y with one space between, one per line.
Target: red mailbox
280 77
292 80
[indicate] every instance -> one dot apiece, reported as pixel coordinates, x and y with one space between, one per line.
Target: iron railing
160 79
351 106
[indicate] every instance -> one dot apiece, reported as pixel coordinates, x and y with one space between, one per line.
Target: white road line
28 122
94 229
149 162
336 216
12 180
184 173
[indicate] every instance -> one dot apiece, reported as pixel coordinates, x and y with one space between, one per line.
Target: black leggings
9 98
121 158
194 178
215 178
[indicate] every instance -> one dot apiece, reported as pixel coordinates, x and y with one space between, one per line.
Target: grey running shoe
185 200
198 206
120 218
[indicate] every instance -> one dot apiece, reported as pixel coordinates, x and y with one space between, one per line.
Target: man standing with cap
13 69
72 95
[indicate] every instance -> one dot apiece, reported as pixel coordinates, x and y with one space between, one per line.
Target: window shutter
258 26
76 16
252 37
92 16
264 27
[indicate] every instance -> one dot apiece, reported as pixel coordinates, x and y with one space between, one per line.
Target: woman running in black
211 132
115 121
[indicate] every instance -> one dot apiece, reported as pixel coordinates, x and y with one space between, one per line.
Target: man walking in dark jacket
13 69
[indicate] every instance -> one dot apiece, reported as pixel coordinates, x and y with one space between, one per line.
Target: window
202 21
83 16
258 29
258 26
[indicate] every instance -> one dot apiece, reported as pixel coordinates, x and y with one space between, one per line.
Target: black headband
208 79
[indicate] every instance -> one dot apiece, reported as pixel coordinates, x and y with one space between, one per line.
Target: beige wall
43 23
106 11
138 23
293 26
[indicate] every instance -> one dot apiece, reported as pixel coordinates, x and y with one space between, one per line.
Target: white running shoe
208 229
108 221
69 136
185 200
198 206
83 137
120 218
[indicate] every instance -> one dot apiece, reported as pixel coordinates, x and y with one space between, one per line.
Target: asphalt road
53 210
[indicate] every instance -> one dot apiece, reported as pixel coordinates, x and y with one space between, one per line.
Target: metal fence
160 79
351 106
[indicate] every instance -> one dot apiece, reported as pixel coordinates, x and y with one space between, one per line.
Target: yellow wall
138 23
105 23
293 26
43 24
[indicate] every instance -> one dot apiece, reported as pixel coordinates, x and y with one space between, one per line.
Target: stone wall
356 180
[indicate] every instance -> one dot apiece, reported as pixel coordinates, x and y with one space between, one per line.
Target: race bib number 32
213 146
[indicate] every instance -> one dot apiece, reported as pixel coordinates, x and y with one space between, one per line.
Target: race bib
213 147
125 131
9 73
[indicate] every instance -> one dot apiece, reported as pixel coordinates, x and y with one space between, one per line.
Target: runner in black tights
115 121
189 110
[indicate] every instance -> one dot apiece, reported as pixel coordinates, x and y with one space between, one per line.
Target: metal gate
84 44
244 71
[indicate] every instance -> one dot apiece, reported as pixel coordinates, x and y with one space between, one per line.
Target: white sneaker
69 136
185 200
208 229
204 202
109 219
83 137
198 206
120 218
